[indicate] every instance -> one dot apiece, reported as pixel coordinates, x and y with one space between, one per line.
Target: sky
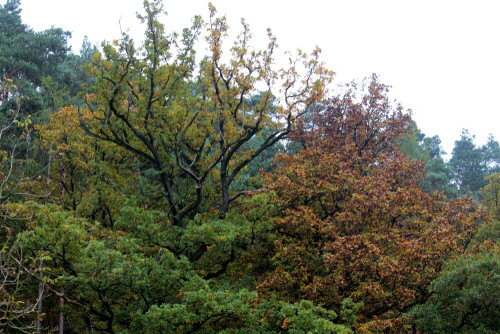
441 57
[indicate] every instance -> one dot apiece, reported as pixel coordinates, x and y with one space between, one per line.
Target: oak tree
190 123
355 223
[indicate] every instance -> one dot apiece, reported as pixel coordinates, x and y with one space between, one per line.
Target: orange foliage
85 175
355 223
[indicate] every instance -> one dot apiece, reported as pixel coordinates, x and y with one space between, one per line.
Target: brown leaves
355 223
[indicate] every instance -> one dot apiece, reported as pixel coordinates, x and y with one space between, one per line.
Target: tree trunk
61 314
40 302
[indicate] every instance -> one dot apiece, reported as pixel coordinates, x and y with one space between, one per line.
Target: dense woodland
173 186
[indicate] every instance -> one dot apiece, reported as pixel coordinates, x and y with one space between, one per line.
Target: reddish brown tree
355 223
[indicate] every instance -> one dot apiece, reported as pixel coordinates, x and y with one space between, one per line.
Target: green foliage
24 53
488 234
107 276
491 155
438 174
18 305
438 178
471 164
39 63
301 317
163 201
464 174
202 309
468 164
197 127
491 195
241 312
465 297
121 284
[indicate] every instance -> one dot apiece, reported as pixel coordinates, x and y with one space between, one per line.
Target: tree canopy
157 188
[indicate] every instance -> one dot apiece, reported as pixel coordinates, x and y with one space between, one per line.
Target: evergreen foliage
145 191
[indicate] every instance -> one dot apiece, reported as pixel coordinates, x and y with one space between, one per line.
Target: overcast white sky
442 57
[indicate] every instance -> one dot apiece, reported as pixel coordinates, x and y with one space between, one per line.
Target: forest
164 187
